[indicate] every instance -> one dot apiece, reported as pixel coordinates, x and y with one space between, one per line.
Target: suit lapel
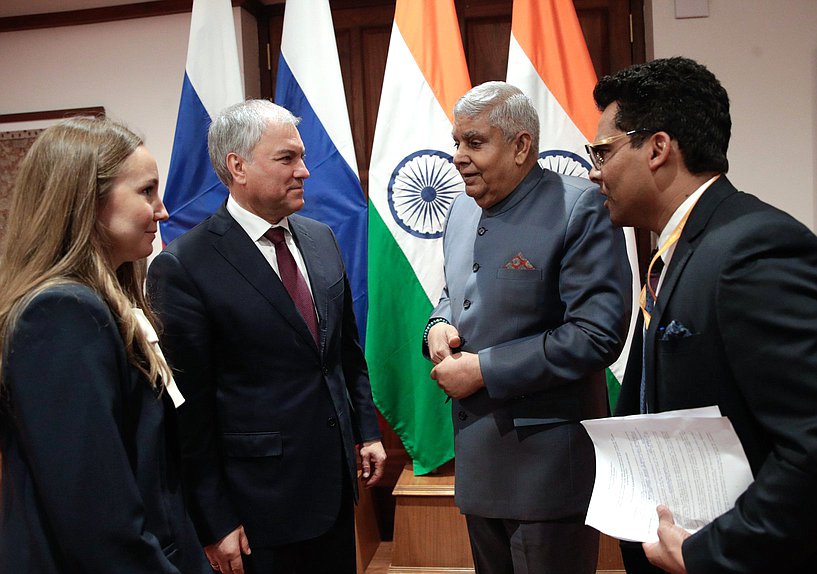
233 243
317 280
684 249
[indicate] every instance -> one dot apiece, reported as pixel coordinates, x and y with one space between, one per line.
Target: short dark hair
678 96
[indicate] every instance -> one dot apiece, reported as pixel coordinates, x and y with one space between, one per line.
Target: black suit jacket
271 421
91 468
743 281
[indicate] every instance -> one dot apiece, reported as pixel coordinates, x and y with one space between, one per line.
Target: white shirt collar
679 213
252 224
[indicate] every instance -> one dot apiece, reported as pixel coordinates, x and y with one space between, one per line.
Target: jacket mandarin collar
519 193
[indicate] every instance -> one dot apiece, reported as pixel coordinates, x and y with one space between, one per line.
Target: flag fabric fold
310 85
549 61
212 81
412 182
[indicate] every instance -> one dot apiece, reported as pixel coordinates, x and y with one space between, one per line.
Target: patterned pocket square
519 261
675 330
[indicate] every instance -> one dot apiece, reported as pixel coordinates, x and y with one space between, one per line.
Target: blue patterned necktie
652 281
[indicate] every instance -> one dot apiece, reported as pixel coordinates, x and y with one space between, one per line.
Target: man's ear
522 147
237 166
660 147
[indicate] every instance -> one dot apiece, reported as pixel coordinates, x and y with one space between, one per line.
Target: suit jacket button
326 371
475 267
331 422
481 231
462 415
466 304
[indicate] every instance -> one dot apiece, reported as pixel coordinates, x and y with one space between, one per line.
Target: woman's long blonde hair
53 236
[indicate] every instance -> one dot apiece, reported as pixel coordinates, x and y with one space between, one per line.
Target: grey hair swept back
238 129
508 109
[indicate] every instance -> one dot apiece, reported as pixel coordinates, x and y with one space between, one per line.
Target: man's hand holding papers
666 553
691 461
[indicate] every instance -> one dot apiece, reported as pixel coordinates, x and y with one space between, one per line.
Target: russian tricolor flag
212 81
310 85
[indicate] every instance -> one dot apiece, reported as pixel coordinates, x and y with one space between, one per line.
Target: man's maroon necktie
293 280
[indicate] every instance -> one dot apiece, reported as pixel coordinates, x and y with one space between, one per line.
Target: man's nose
300 171
459 158
595 175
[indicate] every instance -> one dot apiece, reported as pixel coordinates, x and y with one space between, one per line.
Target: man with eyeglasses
729 314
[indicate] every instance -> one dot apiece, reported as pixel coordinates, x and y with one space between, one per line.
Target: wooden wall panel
375 47
363 29
486 42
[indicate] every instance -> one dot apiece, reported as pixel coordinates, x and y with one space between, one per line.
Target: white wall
134 68
765 54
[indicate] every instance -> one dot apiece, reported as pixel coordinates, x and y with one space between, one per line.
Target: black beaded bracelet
430 324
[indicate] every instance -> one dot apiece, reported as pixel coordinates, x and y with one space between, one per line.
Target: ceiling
26 7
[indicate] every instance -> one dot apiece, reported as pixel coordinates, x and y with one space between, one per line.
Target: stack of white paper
690 460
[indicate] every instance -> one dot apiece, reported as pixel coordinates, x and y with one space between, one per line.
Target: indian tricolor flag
412 183
548 60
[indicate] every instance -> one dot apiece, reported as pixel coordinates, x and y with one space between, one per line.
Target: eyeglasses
599 156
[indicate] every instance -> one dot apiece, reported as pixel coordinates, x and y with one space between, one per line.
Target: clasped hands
457 374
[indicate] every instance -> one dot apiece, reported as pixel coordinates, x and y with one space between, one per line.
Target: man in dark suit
730 321
259 328
535 306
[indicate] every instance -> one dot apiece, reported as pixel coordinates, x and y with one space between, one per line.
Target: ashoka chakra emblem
564 162
421 190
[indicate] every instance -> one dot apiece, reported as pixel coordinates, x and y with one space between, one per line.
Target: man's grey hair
508 109
238 129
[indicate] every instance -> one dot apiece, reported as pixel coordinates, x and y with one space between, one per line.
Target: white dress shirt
256 227
673 222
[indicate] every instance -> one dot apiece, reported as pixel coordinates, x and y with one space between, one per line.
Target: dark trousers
635 561
333 552
501 546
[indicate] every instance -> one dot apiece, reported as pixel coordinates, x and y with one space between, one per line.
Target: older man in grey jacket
535 306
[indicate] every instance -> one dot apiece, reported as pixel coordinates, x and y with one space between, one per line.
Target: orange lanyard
671 240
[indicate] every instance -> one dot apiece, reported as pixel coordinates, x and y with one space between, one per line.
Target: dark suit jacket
90 455
544 332
743 281
271 421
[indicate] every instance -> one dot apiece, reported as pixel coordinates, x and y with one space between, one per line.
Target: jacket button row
481 231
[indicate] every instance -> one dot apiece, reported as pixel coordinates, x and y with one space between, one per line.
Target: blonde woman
90 479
